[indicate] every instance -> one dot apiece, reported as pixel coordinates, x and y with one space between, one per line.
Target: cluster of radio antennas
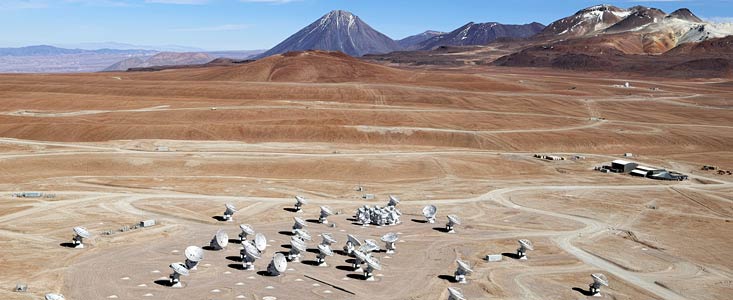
52 296
365 250
455 294
229 212
380 216
299 202
252 251
599 280
462 271
80 233
453 220
429 213
278 265
220 240
389 240
297 248
325 212
524 246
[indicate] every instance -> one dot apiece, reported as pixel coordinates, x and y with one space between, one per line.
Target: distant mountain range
162 59
343 31
125 46
480 34
45 50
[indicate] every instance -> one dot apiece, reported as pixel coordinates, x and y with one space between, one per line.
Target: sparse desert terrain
176 145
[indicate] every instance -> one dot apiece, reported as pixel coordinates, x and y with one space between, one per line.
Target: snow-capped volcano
337 31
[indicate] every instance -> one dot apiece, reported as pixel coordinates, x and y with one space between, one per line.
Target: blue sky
260 24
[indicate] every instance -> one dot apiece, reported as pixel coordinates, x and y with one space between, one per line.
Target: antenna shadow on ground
310 262
284 232
234 258
356 276
163 282
440 229
290 209
582 291
312 221
448 278
345 268
236 266
67 245
510 255
219 218
419 221
208 248
235 241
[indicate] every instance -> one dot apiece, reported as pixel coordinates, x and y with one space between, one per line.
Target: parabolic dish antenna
327 238
179 268
260 242
194 254
373 263
354 241
369 246
280 262
464 266
230 208
301 200
393 201
247 229
455 294
390 237
600 279
303 234
251 250
326 211
325 250
222 238
297 244
360 255
300 222
82 232
526 244
54 297
429 211
454 219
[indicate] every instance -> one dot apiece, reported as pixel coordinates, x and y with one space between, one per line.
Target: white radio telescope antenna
260 242
524 245
599 280
429 213
250 255
80 233
463 270
302 234
390 239
351 243
327 239
323 251
325 212
230 210
52 296
455 294
359 258
278 265
178 270
393 201
369 246
372 264
453 220
220 240
193 256
297 248
299 202
246 231
299 224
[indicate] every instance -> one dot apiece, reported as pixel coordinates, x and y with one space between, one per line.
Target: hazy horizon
216 25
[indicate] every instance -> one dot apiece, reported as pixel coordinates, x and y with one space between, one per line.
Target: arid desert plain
109 150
